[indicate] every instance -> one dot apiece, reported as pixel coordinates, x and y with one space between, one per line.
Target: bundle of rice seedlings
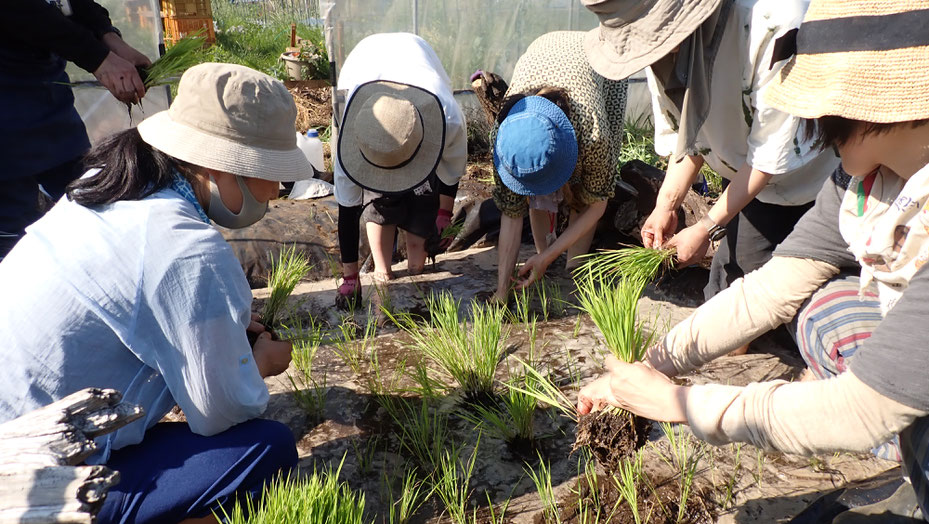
512 418
633 262
614 308
178 58
313 499
287 270
468 352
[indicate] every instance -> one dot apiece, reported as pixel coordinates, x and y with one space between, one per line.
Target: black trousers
750 241
19 199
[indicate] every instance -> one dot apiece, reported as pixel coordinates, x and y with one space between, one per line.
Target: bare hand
120 77
125 51
658 228
531 271
637 388
442 221
691 245
271 356
255 325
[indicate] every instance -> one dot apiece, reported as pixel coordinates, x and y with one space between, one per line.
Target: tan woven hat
392 136
634 34
233 119
864 60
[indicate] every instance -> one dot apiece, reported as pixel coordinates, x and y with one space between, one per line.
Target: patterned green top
597 108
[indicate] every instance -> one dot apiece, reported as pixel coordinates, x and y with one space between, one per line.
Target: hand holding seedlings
271 356
121 78
691 245
532 270
126 51
255 326
637 388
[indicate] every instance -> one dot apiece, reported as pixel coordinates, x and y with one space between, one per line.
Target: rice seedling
378 382
180 57
287 270
453 481
309 391
453 229
551 299
758 473
613 309
468 352
545 391
734 478
423 433
627 483
685 457
492 517
512 419
349 348
542 479
364 453
635 263
315 499
428 386
413 493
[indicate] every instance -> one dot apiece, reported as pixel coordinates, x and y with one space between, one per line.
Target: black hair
833 131
130 169
555 95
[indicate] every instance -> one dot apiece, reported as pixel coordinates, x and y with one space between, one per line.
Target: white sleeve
773 143
192 316
665 130
838 414
455 155
347 193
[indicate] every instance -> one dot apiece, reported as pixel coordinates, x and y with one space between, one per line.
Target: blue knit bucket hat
536 150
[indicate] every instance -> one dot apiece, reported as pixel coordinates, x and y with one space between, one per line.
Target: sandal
349 292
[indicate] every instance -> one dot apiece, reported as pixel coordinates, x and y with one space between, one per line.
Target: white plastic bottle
312 149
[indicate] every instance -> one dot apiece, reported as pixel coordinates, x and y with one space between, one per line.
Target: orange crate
177 28
186 9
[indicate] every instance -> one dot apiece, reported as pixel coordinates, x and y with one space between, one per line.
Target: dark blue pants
175 474
19 199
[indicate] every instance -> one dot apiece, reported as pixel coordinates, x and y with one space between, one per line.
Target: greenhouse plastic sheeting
140 23
466 34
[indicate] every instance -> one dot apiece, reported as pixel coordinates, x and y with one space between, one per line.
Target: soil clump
612 436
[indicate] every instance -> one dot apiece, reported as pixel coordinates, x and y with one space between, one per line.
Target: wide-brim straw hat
233 119
535 150
864 60
635 34
392 136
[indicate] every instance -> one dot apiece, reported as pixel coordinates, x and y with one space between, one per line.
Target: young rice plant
287 270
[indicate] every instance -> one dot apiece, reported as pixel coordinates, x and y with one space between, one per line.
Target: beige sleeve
841 413
751 306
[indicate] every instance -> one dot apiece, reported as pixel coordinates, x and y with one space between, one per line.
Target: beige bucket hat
231 118
865 60
634 34
392 136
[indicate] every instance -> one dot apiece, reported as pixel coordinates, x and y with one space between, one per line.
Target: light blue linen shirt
141 296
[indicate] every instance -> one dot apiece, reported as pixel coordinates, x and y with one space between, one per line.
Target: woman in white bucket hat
850 278
708 64
125 284
402 149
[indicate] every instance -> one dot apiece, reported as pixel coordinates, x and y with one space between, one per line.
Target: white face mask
251 211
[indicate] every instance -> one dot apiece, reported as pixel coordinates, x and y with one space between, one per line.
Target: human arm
840 413
661 224
692 242
535 267
511 229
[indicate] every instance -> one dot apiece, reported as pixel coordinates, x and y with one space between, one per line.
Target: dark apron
39 126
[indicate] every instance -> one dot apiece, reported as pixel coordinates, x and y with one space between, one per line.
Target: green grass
319 498
287 270
614 308
467 351
255 35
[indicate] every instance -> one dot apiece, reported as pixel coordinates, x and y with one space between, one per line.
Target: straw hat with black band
392 137
865 60
634 34
232 119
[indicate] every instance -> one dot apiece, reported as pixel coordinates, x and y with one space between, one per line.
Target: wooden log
38 452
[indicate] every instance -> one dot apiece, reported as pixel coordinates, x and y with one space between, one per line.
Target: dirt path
743 483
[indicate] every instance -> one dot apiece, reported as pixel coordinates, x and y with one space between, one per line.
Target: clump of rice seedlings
627 477
423 432
287 270
413 493
351 349
453 481
542 478
685 457
492 517
551 300
453 229
378 382
468 352
178 58
635 263
309 391
364 453
512 418
613 308
428 385
315 499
